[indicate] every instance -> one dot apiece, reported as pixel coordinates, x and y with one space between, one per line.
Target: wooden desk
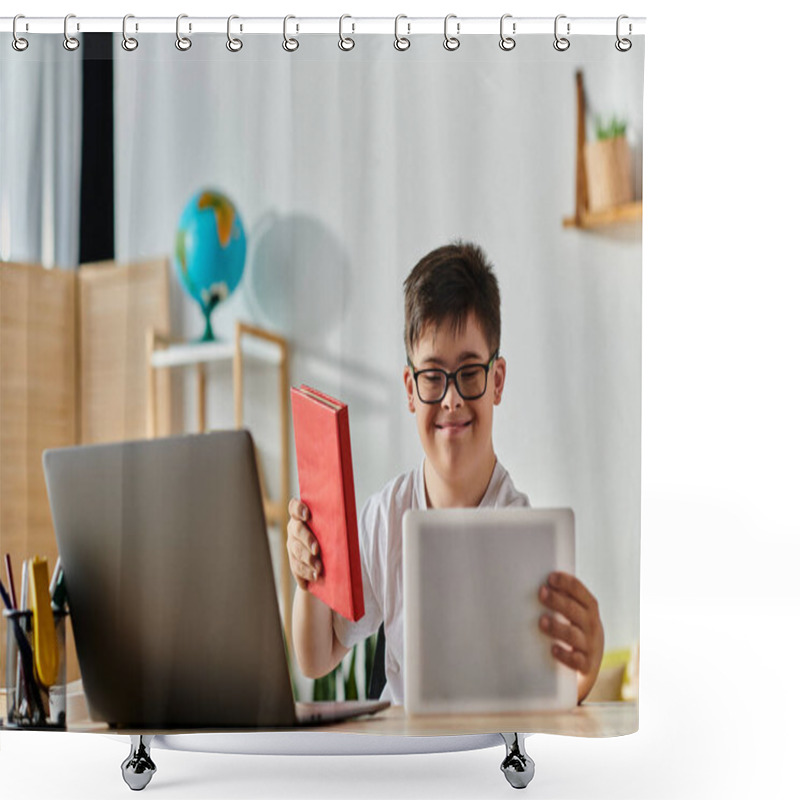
587 720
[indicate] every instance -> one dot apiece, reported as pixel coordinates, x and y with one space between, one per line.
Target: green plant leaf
325 687
350 688
370 646
615 127
599 130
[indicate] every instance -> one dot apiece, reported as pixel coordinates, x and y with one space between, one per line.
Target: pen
57 570
25 681
23 589
23 689
10 576
6 598
59 596
26 656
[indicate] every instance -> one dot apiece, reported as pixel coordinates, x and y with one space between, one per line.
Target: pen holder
28 703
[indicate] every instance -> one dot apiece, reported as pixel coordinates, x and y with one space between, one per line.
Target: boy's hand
582 633
303 548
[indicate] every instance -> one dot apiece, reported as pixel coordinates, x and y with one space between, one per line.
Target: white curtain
346 169
40 152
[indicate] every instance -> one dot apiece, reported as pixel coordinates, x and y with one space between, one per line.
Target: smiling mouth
454 426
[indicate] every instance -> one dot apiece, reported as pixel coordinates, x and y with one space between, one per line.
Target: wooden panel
117 306
37 404
73 367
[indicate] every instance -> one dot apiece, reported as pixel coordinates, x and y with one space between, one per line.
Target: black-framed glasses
470 380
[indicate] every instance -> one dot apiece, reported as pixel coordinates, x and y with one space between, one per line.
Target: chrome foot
138 768
518 766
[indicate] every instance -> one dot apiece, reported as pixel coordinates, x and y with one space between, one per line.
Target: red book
325 473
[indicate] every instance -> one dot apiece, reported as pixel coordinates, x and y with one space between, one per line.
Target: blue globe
210 249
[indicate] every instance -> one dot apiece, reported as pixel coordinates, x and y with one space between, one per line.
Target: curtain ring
18 43
70 42
233 44
400 42
346 42
183 43
507 42
451 42
289 44
623 45
561 43
128 42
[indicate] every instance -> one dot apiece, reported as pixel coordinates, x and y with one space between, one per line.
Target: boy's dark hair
448 284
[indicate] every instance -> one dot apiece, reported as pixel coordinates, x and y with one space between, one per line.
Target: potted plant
608 166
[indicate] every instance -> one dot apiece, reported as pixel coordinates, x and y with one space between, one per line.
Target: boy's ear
408 380
499 380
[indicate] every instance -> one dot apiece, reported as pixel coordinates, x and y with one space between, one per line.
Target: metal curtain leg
138 768
518 766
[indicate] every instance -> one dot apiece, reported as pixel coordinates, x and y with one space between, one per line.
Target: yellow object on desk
45 644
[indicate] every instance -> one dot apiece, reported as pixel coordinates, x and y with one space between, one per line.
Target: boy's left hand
582 633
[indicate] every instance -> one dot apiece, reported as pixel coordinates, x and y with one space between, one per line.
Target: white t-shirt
380 533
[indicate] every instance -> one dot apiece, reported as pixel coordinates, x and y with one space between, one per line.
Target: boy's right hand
303 548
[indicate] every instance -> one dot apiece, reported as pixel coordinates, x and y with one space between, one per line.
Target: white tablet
470 587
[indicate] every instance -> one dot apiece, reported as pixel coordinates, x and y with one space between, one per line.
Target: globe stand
207 308
208 333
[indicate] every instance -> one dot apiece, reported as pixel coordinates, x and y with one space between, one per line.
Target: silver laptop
470 592
170 585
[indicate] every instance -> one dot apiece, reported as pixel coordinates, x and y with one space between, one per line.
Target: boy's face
456 434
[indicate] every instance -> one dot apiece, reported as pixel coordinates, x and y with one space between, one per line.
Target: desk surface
589 720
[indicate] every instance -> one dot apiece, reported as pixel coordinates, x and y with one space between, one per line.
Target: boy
453 379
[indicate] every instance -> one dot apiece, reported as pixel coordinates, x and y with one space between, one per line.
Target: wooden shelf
176 355
192 353
583 218
630 212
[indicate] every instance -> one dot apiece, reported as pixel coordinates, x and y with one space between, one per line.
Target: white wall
346 169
